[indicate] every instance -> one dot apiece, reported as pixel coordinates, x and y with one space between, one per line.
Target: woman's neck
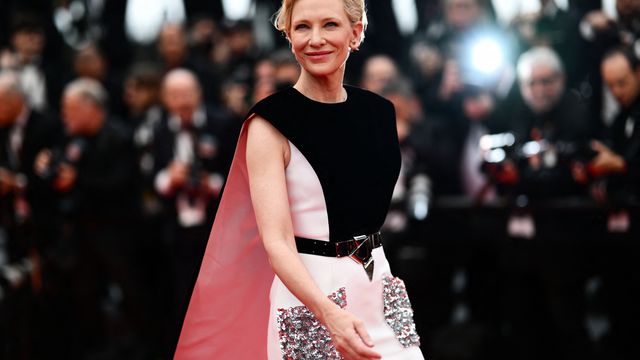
327 89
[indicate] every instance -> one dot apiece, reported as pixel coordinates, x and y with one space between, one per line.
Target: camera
71 155
498 148
205 149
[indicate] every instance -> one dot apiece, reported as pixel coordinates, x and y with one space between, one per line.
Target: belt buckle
361 253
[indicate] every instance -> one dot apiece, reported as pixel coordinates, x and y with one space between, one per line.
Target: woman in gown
294 268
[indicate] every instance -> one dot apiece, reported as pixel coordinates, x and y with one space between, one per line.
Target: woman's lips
318 55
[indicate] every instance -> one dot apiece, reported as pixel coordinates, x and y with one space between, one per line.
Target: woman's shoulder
370 98
272 103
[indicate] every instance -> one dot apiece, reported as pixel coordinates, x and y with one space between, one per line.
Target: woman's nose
317 38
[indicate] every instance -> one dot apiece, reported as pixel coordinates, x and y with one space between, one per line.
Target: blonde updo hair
355 10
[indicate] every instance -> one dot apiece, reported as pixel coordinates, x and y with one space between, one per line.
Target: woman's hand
349 335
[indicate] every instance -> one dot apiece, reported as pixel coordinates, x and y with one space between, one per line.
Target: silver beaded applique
398 312
303 337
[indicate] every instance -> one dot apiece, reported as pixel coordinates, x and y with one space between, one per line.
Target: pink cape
228 314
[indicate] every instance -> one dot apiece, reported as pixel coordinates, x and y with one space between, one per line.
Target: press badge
619 222
521 226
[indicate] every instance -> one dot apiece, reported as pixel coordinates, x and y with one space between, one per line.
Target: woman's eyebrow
305 20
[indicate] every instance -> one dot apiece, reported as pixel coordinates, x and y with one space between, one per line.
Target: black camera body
71 155
205 150
500 148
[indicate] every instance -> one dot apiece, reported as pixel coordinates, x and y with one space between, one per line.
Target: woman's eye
301 27
331 24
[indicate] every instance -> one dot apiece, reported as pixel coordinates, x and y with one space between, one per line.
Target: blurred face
137 97
240 42
543 89
628 9
181 96
321 35
28 43
79 115
461 13
623 82
377 73
90 63
10 107
172 45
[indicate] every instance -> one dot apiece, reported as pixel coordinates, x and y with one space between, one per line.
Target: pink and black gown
344 164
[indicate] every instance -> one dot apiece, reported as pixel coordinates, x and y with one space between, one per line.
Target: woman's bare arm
267 158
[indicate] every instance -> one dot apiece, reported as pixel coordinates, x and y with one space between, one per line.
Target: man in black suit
27 208
618 164
92 173
543 259
191 161
23 133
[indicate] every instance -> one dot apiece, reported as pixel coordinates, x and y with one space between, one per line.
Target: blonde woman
294 267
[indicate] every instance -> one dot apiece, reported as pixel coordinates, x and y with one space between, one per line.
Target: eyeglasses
543 80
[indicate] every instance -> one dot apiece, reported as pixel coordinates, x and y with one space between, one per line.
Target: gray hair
88 89
10 83
538 56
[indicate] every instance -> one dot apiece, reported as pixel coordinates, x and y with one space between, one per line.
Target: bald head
11 98
181 93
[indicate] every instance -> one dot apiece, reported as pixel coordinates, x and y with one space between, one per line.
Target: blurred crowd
515 220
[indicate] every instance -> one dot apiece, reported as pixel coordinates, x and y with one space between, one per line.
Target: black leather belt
358 249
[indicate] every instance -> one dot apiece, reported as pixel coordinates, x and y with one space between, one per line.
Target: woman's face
321 35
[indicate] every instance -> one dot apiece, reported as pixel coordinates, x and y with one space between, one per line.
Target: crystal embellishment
398 312
303 337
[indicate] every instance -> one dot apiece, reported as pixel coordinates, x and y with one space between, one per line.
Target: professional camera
497 148
205 149
71 155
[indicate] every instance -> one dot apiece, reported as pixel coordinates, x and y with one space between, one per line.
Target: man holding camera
191 161
28 225
543 265
617 165
92 173
23 133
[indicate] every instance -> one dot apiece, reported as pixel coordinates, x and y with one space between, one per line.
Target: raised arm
268 154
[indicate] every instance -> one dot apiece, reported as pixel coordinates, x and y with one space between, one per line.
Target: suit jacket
624 138
40 132
212 128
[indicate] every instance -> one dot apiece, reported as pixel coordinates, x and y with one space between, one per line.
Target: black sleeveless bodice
353 148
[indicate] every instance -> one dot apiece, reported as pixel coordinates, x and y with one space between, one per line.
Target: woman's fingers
361 349
362 332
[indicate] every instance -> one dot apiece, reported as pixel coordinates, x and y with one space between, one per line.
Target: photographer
27 221
23 133
464 72
548 114
617 165
92 174
191 163
543 259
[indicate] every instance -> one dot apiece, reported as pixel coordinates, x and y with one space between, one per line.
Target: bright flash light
487 56
496 156
531 148
492 141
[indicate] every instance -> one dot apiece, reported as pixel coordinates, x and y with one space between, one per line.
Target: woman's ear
286 36
358 27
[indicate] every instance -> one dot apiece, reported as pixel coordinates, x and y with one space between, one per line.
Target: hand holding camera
606 161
